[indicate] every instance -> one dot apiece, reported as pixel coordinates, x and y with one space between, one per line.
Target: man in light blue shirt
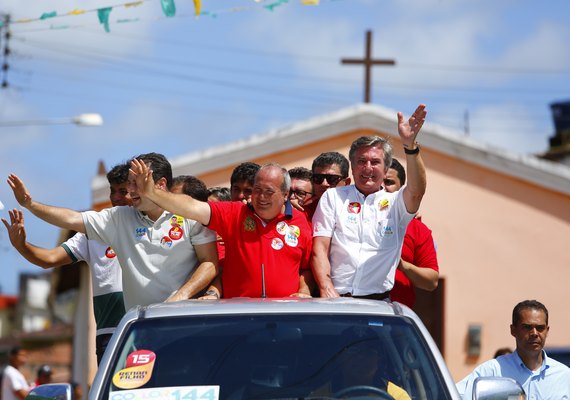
540 376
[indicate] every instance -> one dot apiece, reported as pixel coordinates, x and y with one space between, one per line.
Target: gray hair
372 141
286 184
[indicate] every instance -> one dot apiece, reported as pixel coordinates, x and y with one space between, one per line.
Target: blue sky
180 84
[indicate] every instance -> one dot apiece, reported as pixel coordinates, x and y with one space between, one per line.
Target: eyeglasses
331 178
300 194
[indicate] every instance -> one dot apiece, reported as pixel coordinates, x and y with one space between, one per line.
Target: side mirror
497 388
50 391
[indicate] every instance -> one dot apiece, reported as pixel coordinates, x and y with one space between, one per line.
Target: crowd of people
272 233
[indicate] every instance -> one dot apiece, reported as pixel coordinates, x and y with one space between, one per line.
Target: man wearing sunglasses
358 230
540 376
329 170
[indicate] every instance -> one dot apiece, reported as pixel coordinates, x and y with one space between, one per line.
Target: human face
320 188
301 190
19 359
241 191
391 181
360 365
531 331
267 198
119 194
142 203
368 169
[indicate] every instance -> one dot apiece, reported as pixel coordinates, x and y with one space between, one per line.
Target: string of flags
168 9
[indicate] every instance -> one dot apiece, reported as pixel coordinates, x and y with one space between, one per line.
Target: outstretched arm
62 217
45 258
415 169
179 204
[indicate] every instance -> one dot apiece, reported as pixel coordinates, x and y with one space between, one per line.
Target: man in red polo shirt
268 243
418 266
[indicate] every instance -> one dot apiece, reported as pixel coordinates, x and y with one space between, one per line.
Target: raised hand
23 197
16 231
143 177
409 130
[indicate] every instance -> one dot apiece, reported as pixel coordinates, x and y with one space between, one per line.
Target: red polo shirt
282 247
419 250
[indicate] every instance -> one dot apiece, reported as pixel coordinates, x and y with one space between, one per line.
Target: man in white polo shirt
358 230
163 257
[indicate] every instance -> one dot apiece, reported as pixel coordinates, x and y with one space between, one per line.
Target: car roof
272 306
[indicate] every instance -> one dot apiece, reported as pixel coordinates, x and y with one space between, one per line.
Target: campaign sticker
110 253
140 232
166 242
354 207
277 243
282 227
171 392
294 229
176 220
291 239
249 224
175 232
137 371
383 204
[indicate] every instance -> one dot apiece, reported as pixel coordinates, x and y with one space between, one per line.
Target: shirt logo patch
166 242
176 232
383 204
277 243
291 239
249 224
352 219
282 227
387 231
110 253
140 232
354 207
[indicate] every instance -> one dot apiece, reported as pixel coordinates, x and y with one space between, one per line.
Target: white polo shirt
157 257
106 279
366 234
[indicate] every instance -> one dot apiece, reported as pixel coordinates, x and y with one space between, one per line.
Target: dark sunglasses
300 194
331 178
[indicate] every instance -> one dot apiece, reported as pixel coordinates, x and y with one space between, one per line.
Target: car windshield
274 357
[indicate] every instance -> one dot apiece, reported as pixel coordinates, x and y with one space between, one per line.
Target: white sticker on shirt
277 243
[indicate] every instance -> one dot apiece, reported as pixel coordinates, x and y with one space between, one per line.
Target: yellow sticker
137 371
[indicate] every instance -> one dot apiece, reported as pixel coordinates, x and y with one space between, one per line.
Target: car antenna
263 295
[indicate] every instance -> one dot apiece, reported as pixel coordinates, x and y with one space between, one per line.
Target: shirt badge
291 239
140 232
282 227
249 224
352 219
175 232
383 204
294 229
176 220
110 253
166 242
387 231
277 243
354 207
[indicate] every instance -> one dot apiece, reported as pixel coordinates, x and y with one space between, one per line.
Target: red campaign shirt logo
140 357
175 232
110 253
354 207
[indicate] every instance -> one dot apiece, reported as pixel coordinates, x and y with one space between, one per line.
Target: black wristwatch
413 151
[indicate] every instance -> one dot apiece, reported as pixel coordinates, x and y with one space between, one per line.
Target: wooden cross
368 63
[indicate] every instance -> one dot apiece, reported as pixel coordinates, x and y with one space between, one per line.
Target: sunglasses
300 194
331 178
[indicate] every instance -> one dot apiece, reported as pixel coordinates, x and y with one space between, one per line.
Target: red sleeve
222 216
424 254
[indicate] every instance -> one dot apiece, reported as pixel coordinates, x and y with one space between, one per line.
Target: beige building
501 222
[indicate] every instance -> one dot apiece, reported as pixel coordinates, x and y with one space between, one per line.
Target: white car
272 349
